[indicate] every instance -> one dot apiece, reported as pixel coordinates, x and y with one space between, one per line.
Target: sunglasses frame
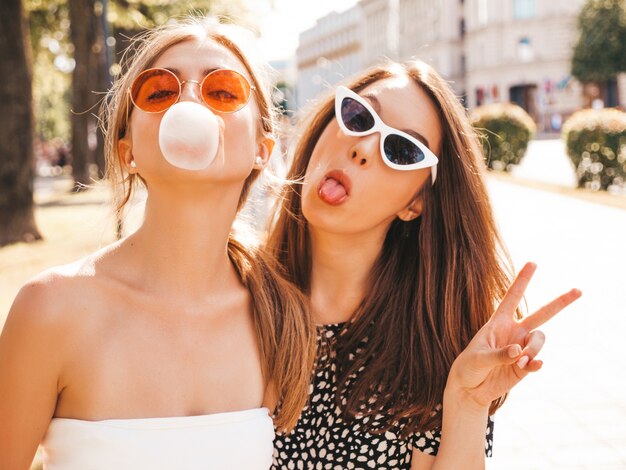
180 89
430 160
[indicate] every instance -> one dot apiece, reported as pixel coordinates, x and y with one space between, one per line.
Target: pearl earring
133 164
258 160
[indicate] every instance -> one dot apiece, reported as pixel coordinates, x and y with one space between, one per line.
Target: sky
281 21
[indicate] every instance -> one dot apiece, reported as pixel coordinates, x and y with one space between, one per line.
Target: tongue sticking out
332 191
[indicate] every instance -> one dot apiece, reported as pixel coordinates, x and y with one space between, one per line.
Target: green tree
600 53
52 66
17 222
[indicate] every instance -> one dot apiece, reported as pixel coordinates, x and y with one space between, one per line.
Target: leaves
600 53
505 129
596 144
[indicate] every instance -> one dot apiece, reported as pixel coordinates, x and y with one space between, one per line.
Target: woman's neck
341 266
181 246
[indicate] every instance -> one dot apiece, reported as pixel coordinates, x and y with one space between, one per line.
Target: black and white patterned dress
323 440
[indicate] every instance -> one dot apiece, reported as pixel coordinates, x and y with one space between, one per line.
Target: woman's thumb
505 355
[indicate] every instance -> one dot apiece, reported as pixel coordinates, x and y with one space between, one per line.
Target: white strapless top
222 441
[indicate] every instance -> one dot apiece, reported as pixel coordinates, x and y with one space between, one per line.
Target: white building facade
328 52
433 30
489 50
521 51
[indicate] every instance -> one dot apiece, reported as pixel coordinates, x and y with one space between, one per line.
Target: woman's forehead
189 56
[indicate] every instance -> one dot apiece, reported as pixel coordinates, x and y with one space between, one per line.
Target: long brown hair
283 325
435 283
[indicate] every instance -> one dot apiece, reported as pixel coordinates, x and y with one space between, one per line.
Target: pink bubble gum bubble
189 136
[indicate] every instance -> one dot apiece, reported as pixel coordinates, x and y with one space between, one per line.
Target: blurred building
330 51
433 30
381 34
521 51
490 50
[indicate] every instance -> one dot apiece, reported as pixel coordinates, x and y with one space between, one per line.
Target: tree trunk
102 81
82 34
17 222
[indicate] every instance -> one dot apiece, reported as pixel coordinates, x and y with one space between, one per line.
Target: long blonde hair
284 329
435 282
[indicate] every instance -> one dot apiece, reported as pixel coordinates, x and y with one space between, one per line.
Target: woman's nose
190 91
365 150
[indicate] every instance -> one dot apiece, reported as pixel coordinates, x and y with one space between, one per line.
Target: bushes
506 129
596 143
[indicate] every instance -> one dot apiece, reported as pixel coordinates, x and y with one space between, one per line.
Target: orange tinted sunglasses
223 90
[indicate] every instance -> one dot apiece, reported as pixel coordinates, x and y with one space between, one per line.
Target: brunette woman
387 226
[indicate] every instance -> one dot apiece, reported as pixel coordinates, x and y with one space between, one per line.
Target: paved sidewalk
546 162
572 414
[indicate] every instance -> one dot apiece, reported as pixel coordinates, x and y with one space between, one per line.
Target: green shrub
506 130
595 140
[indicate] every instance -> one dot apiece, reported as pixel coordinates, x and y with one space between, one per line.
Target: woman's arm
499 356
464 425
30 359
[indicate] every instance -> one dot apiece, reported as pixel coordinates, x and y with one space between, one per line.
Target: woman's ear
125 153
264 150
412 211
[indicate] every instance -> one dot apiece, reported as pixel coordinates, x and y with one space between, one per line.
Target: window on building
523 9
462 28
525 52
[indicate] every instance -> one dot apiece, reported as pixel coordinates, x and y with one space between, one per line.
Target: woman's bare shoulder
42 320
57 294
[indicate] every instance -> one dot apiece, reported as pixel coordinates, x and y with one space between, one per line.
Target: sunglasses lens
225 90
402 151
155 90
355 116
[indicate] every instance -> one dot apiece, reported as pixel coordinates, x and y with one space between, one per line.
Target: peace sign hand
503 351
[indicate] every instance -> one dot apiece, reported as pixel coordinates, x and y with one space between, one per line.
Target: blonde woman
169 348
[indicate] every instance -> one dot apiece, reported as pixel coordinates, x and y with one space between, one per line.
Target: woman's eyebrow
205 72
374 101
376 105
418 136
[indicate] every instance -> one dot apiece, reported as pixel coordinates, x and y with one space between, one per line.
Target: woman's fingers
516 291
548 311
500 357
533 366
534 342
523 358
